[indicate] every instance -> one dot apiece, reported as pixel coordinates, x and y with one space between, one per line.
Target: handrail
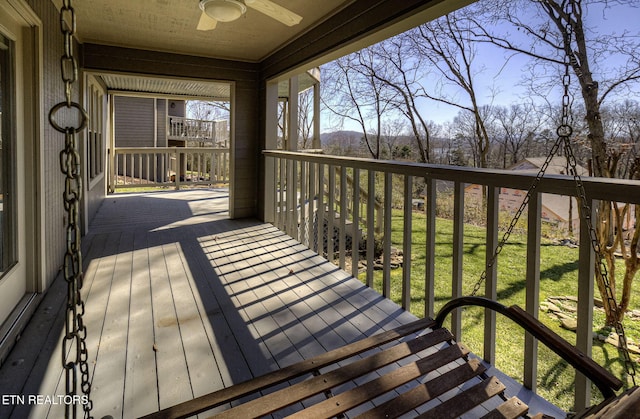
156 150
602 378
596 188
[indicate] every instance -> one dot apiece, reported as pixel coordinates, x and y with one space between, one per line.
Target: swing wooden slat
512 408
415 368
428 391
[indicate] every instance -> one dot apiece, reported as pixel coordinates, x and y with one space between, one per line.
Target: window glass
7 157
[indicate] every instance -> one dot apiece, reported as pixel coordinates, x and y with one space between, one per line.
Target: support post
292 116
271 142
316 116
584 332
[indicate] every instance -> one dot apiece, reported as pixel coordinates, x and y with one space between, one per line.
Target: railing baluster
355 226
178 157
226 167
133 167
493 194
303 203
458 252
371 198
147 166
313 192
283 188
276 193
116 167
331 216
320 216
406 242
532 305
292 199
386 247
342 245
124 169
430 239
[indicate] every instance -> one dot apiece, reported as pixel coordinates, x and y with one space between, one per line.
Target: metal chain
600 268
518 214
564 132
74 348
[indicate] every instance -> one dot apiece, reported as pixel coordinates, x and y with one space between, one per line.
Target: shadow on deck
182 301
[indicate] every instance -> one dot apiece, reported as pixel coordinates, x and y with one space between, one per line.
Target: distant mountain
339 136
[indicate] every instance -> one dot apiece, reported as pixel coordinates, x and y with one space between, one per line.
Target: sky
506 77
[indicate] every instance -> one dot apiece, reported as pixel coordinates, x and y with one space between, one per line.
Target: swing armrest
602 378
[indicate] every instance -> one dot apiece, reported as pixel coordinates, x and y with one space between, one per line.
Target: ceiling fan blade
206 23
275 11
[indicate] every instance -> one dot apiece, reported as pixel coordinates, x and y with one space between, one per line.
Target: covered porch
182 301
188 292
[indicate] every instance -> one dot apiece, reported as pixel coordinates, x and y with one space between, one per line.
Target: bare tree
353 93
398 68
517 125
466 133
622 129
547 25
305 119
445 44
392 130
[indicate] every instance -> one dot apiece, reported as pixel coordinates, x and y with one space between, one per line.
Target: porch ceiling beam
361 23
135 61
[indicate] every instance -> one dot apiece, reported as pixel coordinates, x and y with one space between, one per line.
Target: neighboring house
162 122
143 121
556 209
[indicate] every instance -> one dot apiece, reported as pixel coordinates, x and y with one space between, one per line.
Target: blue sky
505 78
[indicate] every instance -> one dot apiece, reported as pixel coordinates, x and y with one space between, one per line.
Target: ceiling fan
214 11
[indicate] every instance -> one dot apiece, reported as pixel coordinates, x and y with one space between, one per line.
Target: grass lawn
558 272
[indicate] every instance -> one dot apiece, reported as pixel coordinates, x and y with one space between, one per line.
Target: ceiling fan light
223 10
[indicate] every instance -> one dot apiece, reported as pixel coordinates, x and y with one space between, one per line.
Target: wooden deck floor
182 301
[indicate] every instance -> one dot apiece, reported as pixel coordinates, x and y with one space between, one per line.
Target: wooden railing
168 166
296 204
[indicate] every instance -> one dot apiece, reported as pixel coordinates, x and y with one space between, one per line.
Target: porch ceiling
170 26
168 86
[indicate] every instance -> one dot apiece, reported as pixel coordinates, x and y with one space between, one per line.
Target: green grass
559 273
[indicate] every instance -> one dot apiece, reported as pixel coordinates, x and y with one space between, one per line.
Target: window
7 156
95 131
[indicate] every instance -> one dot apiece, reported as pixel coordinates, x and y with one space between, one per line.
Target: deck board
222 301
140 386
173 378
112 351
